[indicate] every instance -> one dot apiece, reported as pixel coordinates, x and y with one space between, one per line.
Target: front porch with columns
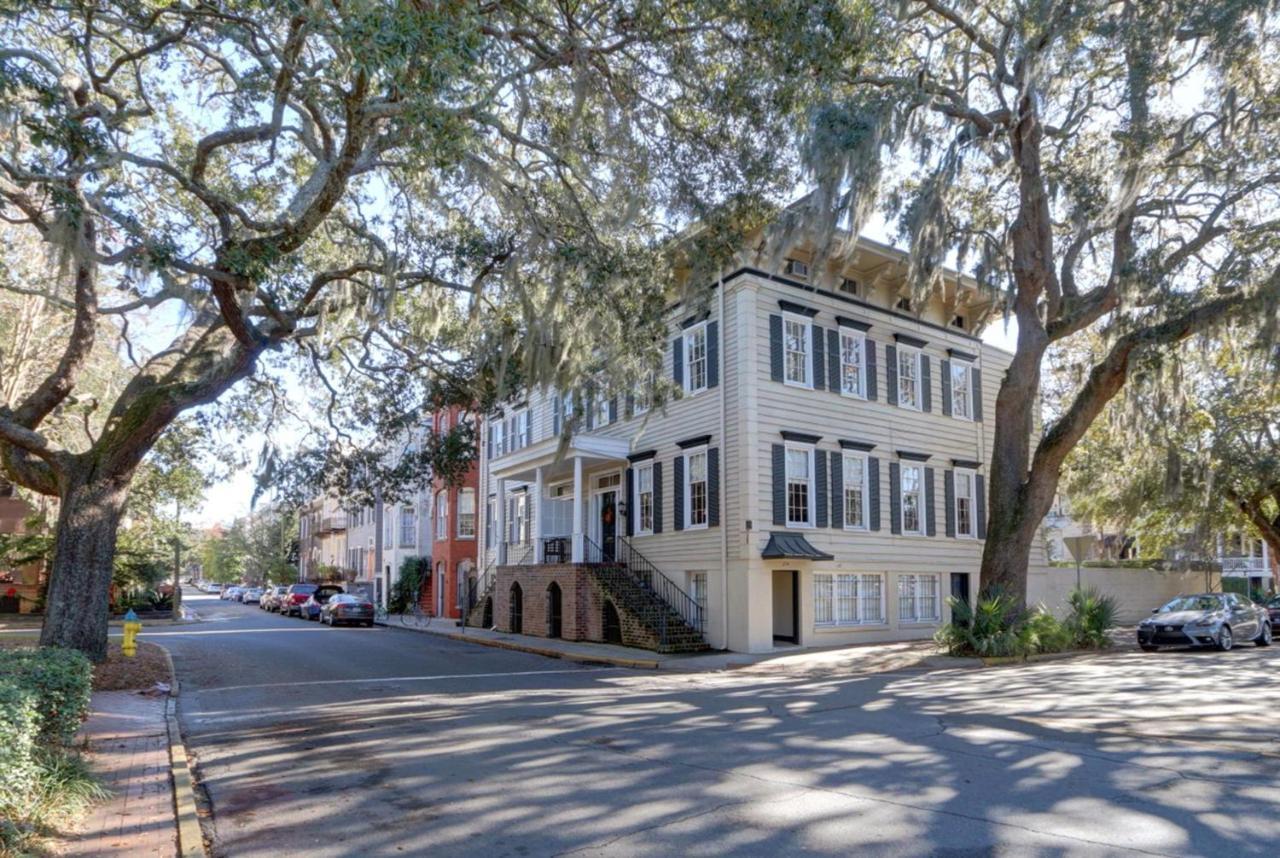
550 463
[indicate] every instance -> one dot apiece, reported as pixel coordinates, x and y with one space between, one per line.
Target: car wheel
1225 640
1149 647
1264 639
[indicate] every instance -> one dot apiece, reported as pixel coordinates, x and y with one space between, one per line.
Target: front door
786 605
608 503
960 587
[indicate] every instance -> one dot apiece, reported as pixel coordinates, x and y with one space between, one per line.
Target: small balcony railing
1244 565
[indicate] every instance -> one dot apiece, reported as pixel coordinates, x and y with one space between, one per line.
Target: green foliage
407 589
61 681
1092 615
19 725
997 627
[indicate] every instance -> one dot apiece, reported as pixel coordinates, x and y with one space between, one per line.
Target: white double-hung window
853 381
796 335
909 377
848 600
912 505
799 486
966 518
467 513
918 600
497 431
695 359
961 390
442 515
643 502
695 476
855 491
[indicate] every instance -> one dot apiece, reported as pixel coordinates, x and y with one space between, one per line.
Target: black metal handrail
524 558
651 580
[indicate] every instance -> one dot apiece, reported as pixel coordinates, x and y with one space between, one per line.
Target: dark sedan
310 609
348 609
1273 608
1207 619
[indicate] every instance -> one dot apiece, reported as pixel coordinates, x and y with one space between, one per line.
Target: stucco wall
1136 591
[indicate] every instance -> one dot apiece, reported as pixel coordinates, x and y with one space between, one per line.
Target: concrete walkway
860 658
128 738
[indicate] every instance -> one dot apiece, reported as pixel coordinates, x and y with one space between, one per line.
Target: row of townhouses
820 480
367 546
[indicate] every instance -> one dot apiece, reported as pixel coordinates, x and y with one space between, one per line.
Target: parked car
251 596
232 594
271 598
347 608
291 602
311 607
1273 609
1205 619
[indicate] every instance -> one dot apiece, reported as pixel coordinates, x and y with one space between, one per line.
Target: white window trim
835 622
916 619
688 487
967 366
902 500
442 516
861 339
687 375
806 323
866 500
786 486
475 525
973 502
635 499
913 351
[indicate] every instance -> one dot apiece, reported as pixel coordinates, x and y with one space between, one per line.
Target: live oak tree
384 185
1190 452
1110 167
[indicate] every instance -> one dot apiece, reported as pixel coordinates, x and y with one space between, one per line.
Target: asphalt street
338 742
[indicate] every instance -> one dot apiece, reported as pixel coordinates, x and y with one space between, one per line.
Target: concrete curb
190 838
582 658
998 661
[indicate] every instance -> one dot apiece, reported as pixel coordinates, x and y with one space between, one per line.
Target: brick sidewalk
129 741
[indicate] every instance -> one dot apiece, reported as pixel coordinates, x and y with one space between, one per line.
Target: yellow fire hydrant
132 626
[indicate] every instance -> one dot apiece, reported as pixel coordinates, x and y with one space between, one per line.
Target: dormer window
904 304
959 322
798 269
848 286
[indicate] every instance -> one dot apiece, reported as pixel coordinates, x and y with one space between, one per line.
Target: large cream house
820 481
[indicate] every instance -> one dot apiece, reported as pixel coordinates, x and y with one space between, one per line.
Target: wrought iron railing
650 579
519 553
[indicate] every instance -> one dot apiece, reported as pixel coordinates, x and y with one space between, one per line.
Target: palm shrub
988 628
1092 614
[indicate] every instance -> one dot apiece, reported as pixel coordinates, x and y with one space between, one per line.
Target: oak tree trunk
76 608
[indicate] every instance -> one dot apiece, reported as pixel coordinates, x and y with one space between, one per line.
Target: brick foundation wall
582 601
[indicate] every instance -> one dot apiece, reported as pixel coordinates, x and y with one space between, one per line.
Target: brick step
647 609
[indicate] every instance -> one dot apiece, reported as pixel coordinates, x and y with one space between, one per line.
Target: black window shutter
630 501
980 487
837 490
713 487
677 489
713 354
975 383
872 385
926 384
873 488
833 360
946 387
590 408
677 361
930 518
613 410
895 498
949 498
818 337
820 487
657 497
775 347
891 372
630 407
779 484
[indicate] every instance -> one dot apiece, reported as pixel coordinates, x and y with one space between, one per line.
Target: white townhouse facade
820 480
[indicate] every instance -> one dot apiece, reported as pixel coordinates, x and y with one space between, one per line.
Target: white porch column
579 547
536 512
500 523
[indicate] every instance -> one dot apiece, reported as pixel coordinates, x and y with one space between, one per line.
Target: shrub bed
44 697
997 627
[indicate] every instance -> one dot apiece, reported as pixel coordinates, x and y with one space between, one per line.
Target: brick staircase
647 620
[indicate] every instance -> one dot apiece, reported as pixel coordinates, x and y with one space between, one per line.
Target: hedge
60 682
19 726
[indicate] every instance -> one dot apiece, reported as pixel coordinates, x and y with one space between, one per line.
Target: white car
231 592
252 596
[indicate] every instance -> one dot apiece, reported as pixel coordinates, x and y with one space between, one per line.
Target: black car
347 608
1206 619
1273 609
310 609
